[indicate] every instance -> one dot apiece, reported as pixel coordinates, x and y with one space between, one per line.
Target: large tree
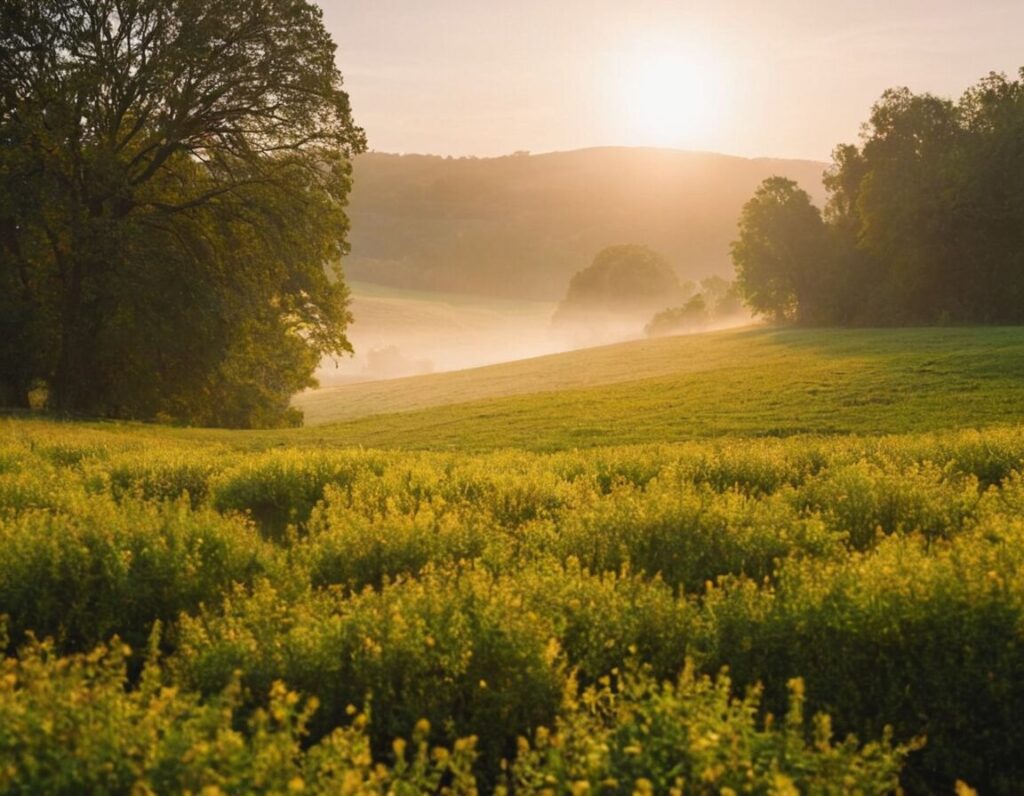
987 227
173 176
782 254
905 207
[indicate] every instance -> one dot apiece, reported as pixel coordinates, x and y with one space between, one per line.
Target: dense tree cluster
172 183
924 225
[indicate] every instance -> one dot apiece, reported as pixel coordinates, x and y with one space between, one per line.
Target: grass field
755 382
492 597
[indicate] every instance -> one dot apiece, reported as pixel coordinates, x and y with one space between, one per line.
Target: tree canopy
924 223
622 280
781 245
173 178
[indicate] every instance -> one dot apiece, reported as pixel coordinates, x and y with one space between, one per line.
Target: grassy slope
590 367
750 382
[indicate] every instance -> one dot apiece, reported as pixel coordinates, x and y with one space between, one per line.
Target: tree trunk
74 386
13 396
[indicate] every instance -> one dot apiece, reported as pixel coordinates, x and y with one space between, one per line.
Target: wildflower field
819 614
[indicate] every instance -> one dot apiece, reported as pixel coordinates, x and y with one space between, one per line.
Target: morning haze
787 78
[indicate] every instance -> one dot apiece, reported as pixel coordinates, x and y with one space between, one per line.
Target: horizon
595 148
463 80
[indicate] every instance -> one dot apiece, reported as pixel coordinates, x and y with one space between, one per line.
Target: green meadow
756 382
746 562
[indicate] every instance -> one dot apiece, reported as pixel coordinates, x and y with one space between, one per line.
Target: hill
753 382
521 226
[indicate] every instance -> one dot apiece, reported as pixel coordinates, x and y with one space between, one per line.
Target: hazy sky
786 78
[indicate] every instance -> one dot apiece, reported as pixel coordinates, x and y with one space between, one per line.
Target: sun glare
670 98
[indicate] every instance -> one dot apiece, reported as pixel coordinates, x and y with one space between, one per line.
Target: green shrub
345 547
97 568
688 535
69 726
470 589
864 500
634 734
162 475
281 489
453 647
603 619
929 639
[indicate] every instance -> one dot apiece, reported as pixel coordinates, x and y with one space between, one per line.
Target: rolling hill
519 227
751 382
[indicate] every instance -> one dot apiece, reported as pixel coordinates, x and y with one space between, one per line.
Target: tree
782 253
927 213
905 208
622 280
858 280
173 179
925 220
988 178
693 315
722 298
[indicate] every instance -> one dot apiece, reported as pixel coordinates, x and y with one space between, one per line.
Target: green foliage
452 647
633 734
501 593
930 633
782 252
278 490
68 725
169 198
687 535
91 568
622 280
924 220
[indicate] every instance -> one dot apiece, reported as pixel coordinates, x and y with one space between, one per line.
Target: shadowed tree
172 183
782 253
905 207
987 226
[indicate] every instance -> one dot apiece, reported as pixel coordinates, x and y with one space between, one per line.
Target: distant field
750 382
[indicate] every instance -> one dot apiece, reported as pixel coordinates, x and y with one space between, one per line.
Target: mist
398 333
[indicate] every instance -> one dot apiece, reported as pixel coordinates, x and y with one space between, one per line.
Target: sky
758 78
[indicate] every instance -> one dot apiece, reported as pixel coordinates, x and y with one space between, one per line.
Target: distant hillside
521 226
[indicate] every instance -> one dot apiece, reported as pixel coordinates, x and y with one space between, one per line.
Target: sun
670 98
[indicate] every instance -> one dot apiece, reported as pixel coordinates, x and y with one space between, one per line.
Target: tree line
173 178
924 223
